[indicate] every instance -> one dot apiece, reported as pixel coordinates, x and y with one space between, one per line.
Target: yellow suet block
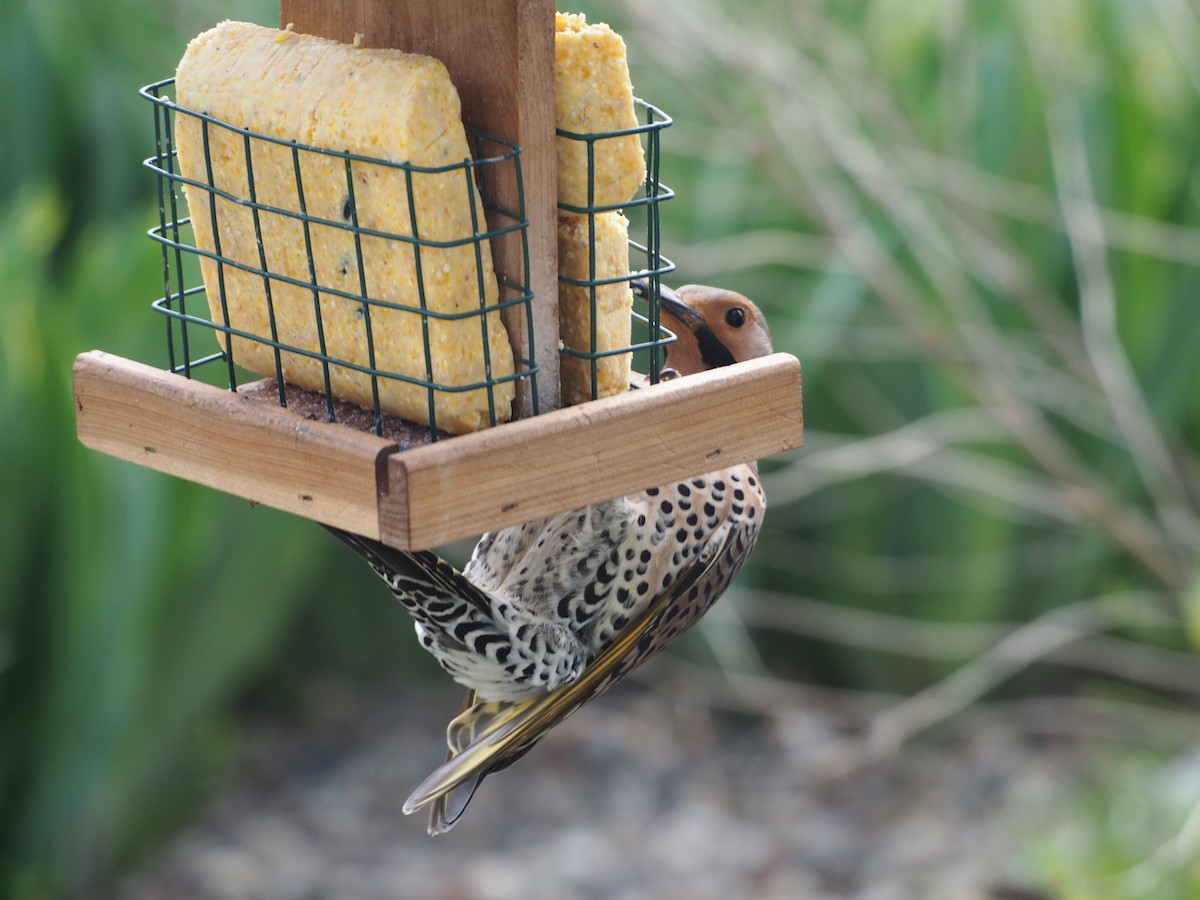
613 304
593 94
380 103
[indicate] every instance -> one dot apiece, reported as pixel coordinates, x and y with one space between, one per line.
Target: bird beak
701 349
671 305
678 310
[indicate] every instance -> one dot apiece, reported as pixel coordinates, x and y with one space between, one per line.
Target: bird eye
735 317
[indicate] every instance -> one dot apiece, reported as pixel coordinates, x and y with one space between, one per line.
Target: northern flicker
549 614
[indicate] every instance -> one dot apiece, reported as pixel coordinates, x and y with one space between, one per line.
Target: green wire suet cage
189 353
650 265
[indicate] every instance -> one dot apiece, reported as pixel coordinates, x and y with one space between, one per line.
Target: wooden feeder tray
248 445
396 486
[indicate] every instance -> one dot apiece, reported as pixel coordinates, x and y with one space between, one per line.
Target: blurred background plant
978 226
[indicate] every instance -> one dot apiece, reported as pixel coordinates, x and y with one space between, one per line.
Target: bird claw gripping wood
549 614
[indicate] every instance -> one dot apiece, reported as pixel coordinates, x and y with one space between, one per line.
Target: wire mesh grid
647 262
315 316
338 345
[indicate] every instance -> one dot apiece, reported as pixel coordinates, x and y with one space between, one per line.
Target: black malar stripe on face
712 351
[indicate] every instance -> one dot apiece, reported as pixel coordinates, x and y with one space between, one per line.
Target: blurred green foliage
1123 841
898 183
930 135
134 608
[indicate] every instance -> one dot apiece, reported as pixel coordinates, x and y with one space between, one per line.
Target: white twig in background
1115 657
1181 850
1179 20
968 185
1098 302
1022 646
751 249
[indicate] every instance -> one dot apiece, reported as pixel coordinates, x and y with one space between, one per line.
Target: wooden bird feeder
500 56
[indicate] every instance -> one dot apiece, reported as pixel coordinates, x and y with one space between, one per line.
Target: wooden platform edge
461 487
584 454
217 438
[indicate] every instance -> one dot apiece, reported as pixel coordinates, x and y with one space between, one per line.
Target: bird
549 614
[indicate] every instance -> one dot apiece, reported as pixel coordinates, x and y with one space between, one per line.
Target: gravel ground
640 795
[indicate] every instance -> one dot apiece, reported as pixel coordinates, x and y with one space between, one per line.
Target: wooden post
500 55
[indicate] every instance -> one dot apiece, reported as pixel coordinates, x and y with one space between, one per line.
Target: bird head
715 328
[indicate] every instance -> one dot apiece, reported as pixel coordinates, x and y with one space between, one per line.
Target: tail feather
447 808
475 737
489 736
